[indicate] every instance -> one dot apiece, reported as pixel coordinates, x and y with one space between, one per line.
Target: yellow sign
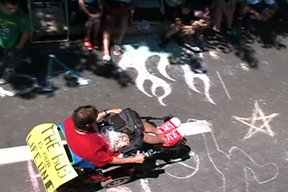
49 156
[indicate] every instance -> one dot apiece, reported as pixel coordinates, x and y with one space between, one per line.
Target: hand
258 15
139 158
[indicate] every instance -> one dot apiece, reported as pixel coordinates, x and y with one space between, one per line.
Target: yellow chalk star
257 115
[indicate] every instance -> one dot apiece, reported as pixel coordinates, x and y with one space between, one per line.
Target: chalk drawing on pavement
190 167
119 189
33 176
226 91
135 58
179 170
257 115
237 162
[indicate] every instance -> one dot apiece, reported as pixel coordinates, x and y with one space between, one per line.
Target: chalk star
257 115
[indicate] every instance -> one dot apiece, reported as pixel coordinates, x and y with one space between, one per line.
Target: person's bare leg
173 30
149 128
122 27
152 139
107 35
229 13
88 32
96 27
156 138
217 19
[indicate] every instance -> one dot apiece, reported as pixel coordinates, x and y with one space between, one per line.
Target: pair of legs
91 36
261 11
9 61
92 25
196 28
223 9
153 135
122 18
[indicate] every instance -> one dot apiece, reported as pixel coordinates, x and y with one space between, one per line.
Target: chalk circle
184 170
119 189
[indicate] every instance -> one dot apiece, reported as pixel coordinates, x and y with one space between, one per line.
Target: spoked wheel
115 182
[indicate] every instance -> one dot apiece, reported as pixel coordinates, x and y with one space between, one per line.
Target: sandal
88 45
117 50
106 59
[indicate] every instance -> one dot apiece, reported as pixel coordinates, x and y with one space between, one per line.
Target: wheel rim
117 181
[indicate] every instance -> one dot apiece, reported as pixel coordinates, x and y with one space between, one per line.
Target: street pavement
239 86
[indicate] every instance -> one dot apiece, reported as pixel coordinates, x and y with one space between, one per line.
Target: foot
87 44
170 125
106 59
6 76
117 50
173 137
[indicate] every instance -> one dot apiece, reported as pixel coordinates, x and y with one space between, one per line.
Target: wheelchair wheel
115 182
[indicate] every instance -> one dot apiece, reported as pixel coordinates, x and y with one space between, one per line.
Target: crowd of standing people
187 17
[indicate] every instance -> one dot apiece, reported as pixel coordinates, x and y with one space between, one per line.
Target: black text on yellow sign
49 156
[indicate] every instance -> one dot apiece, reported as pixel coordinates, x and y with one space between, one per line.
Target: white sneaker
7 76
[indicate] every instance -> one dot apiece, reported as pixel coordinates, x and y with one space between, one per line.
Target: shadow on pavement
267 34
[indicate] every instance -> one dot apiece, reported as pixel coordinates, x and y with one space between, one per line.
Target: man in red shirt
84 139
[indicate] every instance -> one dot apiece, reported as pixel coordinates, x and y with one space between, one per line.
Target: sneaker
164 42
173 137
6 76
170 125
88 45
117 50
106 59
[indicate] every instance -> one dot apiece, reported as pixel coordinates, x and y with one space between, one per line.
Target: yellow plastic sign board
49 156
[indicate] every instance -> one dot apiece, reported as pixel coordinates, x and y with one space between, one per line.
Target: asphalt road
243 94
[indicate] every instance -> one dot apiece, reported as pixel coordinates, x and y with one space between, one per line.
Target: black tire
116 181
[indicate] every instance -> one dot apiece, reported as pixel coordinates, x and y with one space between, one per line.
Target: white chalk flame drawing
189 78
163 63
135 58
227 168
258 115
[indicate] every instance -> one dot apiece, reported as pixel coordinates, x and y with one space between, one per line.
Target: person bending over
84 138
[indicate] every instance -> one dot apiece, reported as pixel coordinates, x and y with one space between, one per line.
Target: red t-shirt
89 146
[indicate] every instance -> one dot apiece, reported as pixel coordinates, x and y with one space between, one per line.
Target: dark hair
12 2
187 4
84 115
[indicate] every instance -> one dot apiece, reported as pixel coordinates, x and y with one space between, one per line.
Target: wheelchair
42 142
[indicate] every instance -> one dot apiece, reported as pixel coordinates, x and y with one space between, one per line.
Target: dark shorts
11 58
77 15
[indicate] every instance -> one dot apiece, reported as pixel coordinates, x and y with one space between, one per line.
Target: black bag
129 122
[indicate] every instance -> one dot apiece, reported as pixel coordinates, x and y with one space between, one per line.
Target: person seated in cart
83 135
